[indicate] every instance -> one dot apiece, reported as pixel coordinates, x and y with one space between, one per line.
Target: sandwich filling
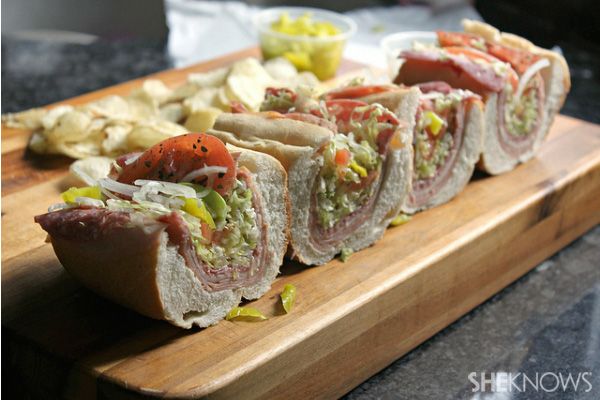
351 162
221 236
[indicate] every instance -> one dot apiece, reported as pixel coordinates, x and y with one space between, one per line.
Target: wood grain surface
350 320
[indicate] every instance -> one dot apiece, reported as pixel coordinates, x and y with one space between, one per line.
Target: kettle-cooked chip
50 119
71 126
115 142
146 134
202 119
91 169
172 112
210 79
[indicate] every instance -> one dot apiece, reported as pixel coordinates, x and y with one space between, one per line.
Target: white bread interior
303 168
147 274
463 168
557 82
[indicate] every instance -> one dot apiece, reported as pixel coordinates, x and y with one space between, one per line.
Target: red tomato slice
342 157
353 92
172 159
519 59
460 39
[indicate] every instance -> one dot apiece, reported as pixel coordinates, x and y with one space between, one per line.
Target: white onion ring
204 171
118 187
531 71
88 201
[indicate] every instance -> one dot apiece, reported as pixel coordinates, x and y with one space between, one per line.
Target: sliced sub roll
523 86
446 140
348 173
180 232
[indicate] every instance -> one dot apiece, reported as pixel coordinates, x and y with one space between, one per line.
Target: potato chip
112 107
116 139
280 69
71 126
172 112
29 119
50 119
202 120
148 133
154 89
183 92
247 82
210 79
203 98
90 170
38 143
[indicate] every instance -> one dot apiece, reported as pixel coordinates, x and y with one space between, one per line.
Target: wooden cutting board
350 320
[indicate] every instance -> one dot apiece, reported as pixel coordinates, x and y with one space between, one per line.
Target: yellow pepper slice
197 208
245 313
361 171
345 254
434 122
288 297
92 192
401 219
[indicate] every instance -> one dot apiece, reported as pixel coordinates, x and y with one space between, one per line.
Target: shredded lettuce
521 114
339 192
231 221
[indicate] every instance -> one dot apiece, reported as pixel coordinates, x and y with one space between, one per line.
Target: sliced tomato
207 233
172 159
342 157
460 39
354 92
520 60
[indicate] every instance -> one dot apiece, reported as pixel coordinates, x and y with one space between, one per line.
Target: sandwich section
180 232
522 86
446 139
349 165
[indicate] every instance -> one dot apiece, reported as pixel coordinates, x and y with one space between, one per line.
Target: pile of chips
116 125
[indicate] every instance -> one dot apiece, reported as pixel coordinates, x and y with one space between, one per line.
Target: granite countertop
547 321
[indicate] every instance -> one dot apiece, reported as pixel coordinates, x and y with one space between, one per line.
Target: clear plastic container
320 55
395 43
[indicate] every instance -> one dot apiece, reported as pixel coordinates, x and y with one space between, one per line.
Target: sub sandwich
349 165
523 86
446 139
180 232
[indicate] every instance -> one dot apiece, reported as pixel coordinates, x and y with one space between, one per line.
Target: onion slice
204 171
88 201
529 73
118 187
132 159
170 188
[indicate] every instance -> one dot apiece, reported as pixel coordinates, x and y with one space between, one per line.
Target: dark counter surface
547 321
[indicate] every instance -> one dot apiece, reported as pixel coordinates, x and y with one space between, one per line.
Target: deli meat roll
349 165
447 137
180 232
523 86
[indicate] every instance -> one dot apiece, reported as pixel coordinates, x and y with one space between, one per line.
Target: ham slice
456 70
